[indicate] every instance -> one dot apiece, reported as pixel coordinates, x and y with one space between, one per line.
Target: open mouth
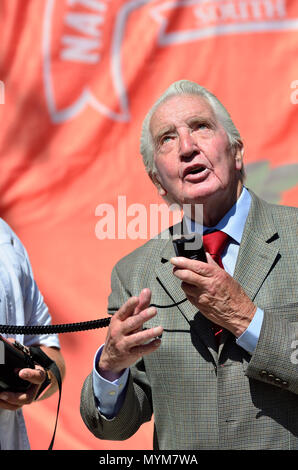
195 170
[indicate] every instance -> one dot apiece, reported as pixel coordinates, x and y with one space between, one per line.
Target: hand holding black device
190 246
14 356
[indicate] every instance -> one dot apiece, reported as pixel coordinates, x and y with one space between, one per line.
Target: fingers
143 338
144 349
126 338
134 305
136 322
6 405
35 376
144 301
190 290
195 272
134 312
13 401
198 267
127 309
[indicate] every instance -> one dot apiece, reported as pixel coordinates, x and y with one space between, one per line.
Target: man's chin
200 194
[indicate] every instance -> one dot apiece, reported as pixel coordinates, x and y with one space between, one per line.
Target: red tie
214 244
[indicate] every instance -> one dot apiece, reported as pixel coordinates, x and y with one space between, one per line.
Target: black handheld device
190 246
14 356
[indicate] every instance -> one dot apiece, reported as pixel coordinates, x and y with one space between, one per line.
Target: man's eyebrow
164 131
191 120
202 119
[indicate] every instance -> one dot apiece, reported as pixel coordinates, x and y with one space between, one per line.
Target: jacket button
263 373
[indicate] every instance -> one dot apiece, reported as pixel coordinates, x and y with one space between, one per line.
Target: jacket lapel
200 325
258 251
171 284
259 248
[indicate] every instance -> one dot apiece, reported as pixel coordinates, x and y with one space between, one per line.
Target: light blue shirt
21 303
109 395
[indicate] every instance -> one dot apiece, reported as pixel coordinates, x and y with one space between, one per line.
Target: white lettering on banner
95 5
243 10
84 43
79 47
84 40
223 17
85 23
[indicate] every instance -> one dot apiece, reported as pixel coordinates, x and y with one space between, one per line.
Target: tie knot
215 242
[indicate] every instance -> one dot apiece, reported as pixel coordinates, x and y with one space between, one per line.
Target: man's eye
201 126
165 139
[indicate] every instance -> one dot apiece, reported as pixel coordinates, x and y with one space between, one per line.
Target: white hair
186 87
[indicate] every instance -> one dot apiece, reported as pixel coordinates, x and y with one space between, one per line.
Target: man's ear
239 153
155 179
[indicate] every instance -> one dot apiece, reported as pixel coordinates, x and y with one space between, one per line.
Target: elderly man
215 369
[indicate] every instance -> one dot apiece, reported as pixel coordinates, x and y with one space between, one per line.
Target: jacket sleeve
275 358
137 405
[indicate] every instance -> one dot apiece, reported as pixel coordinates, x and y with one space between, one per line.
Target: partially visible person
21 303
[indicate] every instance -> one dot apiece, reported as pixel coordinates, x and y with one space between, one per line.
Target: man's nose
188 145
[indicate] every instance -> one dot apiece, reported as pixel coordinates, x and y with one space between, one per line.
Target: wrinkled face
192 152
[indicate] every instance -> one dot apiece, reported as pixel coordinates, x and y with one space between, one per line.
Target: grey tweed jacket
202 398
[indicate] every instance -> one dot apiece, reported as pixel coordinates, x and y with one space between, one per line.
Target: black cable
62 328
175 304
67 327
103 322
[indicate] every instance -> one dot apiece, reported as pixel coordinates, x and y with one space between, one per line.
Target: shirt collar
233 221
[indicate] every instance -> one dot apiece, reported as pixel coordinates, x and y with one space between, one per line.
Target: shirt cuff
108 394
249 338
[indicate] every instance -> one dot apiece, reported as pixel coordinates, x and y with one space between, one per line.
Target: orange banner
77 77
